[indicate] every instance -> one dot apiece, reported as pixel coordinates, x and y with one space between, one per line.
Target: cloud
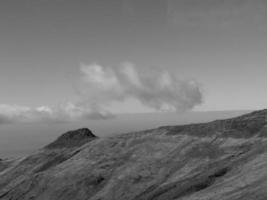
153 87
101 86
61 113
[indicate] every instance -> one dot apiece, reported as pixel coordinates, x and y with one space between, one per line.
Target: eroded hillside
224 159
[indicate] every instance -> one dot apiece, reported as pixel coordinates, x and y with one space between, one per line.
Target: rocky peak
72 139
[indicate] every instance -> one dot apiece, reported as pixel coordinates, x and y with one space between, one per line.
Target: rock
72 139
224 159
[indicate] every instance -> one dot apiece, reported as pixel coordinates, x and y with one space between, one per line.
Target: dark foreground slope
224 159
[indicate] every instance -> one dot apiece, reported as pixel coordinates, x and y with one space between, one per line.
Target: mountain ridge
244 126
223 159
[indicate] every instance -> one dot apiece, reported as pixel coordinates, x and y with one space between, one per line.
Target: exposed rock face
72 139
224 159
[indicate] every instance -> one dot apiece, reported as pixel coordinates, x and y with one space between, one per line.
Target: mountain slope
224 159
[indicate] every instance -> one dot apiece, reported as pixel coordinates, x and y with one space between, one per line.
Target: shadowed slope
72 139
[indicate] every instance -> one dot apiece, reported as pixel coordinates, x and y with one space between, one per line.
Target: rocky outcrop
224 159
72 139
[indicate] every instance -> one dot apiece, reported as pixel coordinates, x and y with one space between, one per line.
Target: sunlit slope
224 159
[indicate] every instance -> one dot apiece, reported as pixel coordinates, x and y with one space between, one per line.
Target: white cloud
61 113
153 87
102 86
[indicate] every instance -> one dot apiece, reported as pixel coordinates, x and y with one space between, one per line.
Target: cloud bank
101 86
153 87
61 113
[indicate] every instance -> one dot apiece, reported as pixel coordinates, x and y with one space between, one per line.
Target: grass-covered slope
224 159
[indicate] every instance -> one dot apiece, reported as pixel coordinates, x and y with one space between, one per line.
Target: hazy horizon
22 139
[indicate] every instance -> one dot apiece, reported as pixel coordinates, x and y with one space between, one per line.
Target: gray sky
221 44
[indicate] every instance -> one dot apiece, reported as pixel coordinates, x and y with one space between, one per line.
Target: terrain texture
220 160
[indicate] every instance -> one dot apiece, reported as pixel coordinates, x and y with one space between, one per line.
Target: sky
64 59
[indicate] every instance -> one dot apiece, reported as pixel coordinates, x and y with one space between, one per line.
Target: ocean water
20 139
